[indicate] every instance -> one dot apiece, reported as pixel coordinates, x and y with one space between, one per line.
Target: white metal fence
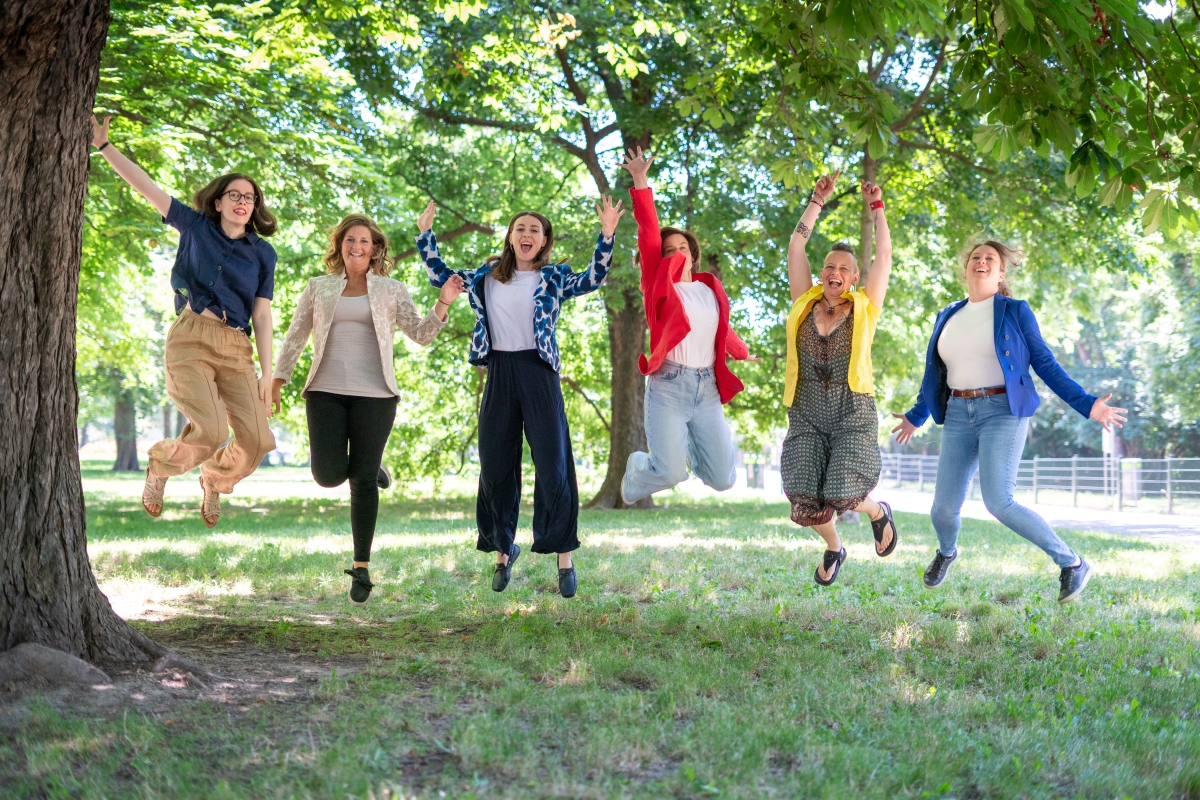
1165 485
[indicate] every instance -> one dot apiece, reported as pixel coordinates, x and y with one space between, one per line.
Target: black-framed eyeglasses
238 197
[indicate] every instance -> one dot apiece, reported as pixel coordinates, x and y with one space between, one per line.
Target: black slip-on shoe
1072 581
936 572
360 585
383 479
567 581
503 573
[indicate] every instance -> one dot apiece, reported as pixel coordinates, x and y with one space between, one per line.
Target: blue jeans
684 421
982 433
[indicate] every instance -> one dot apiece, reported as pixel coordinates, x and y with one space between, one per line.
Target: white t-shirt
968 346
510 310
698 348
351 363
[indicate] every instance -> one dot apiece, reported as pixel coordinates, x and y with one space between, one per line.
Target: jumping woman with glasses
224 276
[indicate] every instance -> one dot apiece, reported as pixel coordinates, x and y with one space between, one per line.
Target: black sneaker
503 573
567 581
1072 581
360 585
936 573
383 479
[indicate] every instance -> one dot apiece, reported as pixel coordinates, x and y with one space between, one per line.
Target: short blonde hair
1010 257
381 262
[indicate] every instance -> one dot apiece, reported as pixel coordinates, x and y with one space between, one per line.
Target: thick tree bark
125 427
49 67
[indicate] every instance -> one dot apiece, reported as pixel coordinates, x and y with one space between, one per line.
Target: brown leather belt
969 393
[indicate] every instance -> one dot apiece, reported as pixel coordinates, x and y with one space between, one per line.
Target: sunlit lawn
698 659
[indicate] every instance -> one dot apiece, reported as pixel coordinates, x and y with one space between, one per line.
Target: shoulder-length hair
1010 257
381 260
692 242
261 221
505 264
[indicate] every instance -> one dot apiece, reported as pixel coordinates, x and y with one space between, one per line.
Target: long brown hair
505 264
381 261
692 242
261 221
1010 257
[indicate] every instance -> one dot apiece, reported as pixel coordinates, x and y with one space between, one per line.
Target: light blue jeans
684 422
981 433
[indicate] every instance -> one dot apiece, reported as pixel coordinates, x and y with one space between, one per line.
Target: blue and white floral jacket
559 282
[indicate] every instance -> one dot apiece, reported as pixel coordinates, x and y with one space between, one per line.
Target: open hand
425 221
451 289
610 215
905 430
265 392
1107 415
824 186
276 400
638 164
871 192
100 130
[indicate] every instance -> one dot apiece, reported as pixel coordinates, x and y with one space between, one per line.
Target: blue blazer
1019 345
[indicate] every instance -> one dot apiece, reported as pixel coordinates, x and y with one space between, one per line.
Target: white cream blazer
391 307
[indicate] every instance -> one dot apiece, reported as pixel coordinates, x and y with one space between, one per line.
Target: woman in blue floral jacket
516 297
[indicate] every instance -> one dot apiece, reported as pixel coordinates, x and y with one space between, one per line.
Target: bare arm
134 175
881 267
264 340
800 278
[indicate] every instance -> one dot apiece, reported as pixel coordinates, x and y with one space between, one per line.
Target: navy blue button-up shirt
218 273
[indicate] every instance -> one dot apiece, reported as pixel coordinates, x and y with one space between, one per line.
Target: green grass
699 659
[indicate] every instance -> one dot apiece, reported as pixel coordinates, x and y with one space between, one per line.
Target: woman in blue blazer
977 385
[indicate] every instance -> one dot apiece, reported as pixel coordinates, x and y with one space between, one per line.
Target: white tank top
968 346
698 349
351 362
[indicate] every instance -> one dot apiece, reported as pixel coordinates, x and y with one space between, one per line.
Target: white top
968 346
351 363
510 310
698 349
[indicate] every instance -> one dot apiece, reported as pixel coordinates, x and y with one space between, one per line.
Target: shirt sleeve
421 330
1047 367
297 335
266 278
181 216
591 279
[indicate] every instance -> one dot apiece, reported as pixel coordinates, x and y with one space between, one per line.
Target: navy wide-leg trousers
523 395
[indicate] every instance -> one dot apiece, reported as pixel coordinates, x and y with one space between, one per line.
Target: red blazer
665 314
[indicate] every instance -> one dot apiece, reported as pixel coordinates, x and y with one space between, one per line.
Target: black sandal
832 561
878 526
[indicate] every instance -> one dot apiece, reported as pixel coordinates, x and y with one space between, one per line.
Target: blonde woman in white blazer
353 313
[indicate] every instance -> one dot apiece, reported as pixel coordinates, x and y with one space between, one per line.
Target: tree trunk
49 67
125 426
867 222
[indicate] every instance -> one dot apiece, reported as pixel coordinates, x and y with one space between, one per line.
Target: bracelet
803 229
443 302
101 147
815 202
876 204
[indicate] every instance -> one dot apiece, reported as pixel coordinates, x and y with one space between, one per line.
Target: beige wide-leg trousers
211 377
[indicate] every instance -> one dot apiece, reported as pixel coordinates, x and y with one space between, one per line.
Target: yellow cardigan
866 317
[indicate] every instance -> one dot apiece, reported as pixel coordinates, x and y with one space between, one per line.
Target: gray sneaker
1072 581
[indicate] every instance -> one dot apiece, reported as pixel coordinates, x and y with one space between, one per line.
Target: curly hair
381 261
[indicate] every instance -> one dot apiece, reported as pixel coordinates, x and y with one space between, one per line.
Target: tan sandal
152 494
210 506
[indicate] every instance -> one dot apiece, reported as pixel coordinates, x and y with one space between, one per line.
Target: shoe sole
355 602
1079 591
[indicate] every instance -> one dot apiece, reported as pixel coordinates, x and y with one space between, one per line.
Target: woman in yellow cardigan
831 454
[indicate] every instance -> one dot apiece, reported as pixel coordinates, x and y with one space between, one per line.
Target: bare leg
501 558
358 564
875 512
564 561
833 542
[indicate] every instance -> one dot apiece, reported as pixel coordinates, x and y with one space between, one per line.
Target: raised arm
591 279
799 272
881 267
435 268
649 235
134 175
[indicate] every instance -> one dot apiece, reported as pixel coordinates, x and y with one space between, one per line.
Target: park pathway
1162 527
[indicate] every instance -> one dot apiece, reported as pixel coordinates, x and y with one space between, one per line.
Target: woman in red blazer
690 338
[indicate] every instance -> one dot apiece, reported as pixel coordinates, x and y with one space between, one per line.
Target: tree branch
451 235
942 150
574 385
920 101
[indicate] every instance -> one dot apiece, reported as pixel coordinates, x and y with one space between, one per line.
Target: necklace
830 307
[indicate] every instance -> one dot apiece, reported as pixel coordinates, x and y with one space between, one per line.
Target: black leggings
341 422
